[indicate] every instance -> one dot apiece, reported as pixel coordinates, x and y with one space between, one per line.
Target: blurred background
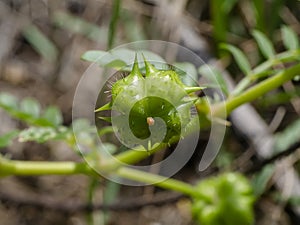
41 43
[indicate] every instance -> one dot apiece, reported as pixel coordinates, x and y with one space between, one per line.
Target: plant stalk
257 90
36 168
284 57
157 180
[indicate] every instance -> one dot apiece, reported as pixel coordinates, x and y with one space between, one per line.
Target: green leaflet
264 44
7 138
289 38
239 57
29 111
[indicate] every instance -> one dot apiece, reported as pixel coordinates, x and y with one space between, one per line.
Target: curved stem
32 168
257 90
288 56
157 180
130 157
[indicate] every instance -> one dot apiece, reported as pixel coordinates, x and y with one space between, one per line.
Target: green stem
219 20
32 168
258 90
114 22
284 57
163 182
259 14
130 157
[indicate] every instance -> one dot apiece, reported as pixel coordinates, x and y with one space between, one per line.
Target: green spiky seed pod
150 108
